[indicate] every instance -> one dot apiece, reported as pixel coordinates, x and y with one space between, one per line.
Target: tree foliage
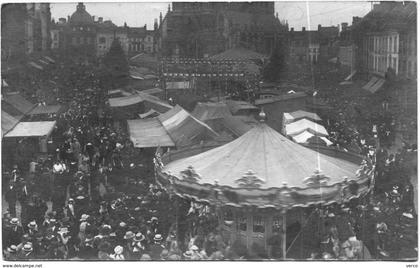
276 64
116 65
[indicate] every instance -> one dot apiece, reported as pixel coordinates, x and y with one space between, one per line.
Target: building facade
387 40
204 29
25 30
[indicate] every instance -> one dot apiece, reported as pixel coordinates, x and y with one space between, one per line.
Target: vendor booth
37 132
261 183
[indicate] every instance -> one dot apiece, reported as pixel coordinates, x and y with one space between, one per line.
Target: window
276 224
242 222
258 225
102 40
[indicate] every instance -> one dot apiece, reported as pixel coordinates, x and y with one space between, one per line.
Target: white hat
118 250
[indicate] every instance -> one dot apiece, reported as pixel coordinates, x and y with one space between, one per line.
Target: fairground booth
263 184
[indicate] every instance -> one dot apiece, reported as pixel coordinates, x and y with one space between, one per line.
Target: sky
137 14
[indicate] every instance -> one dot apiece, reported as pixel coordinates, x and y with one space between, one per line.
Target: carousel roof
264 158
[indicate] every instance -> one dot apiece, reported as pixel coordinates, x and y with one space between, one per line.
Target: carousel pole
284 235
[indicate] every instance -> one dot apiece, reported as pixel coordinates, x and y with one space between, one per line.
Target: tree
272 71
116 66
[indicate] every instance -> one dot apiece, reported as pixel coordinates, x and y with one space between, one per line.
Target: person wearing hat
13 233
11 197
26 252
157 247
10 253
118 254
84 224
32 228
137 247
70 210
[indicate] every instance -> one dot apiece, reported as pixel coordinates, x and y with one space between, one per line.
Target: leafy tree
116 66
276 65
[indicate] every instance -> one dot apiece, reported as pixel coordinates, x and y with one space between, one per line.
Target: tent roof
183 127
273 159
20 103
146 133
125 101
235 106
32 129
238 54
302 125
148 113
293 116
152 102
209 110
49 109
7 122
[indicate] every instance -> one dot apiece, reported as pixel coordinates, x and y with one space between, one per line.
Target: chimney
292 29
160 18
303 29
344 26
100 19
155 25
145 27
319 27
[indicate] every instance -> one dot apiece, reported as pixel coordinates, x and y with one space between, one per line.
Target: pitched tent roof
183 127
294 116
236 106
7 122
125 101
238 54
302 125
274 159
20 103
146 133
49 109
31 129
209 111
307 136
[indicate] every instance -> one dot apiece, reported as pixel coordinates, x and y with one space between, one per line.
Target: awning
151 91
146 133
7 122
20 103
48 109
371 82
149 113
125 101
37 66
302 125
377 85
350 76
32 129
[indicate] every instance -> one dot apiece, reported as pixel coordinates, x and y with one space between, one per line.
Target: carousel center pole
284 235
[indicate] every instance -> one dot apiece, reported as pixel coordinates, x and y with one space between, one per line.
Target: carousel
261 182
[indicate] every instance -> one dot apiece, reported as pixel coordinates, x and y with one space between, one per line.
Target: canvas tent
32 129
297 115
302 125
7 122
19 103
306 136
48 109
145 133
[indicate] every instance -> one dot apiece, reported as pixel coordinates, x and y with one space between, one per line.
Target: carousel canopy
294 116
302 125
263 168
31 129
273 158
